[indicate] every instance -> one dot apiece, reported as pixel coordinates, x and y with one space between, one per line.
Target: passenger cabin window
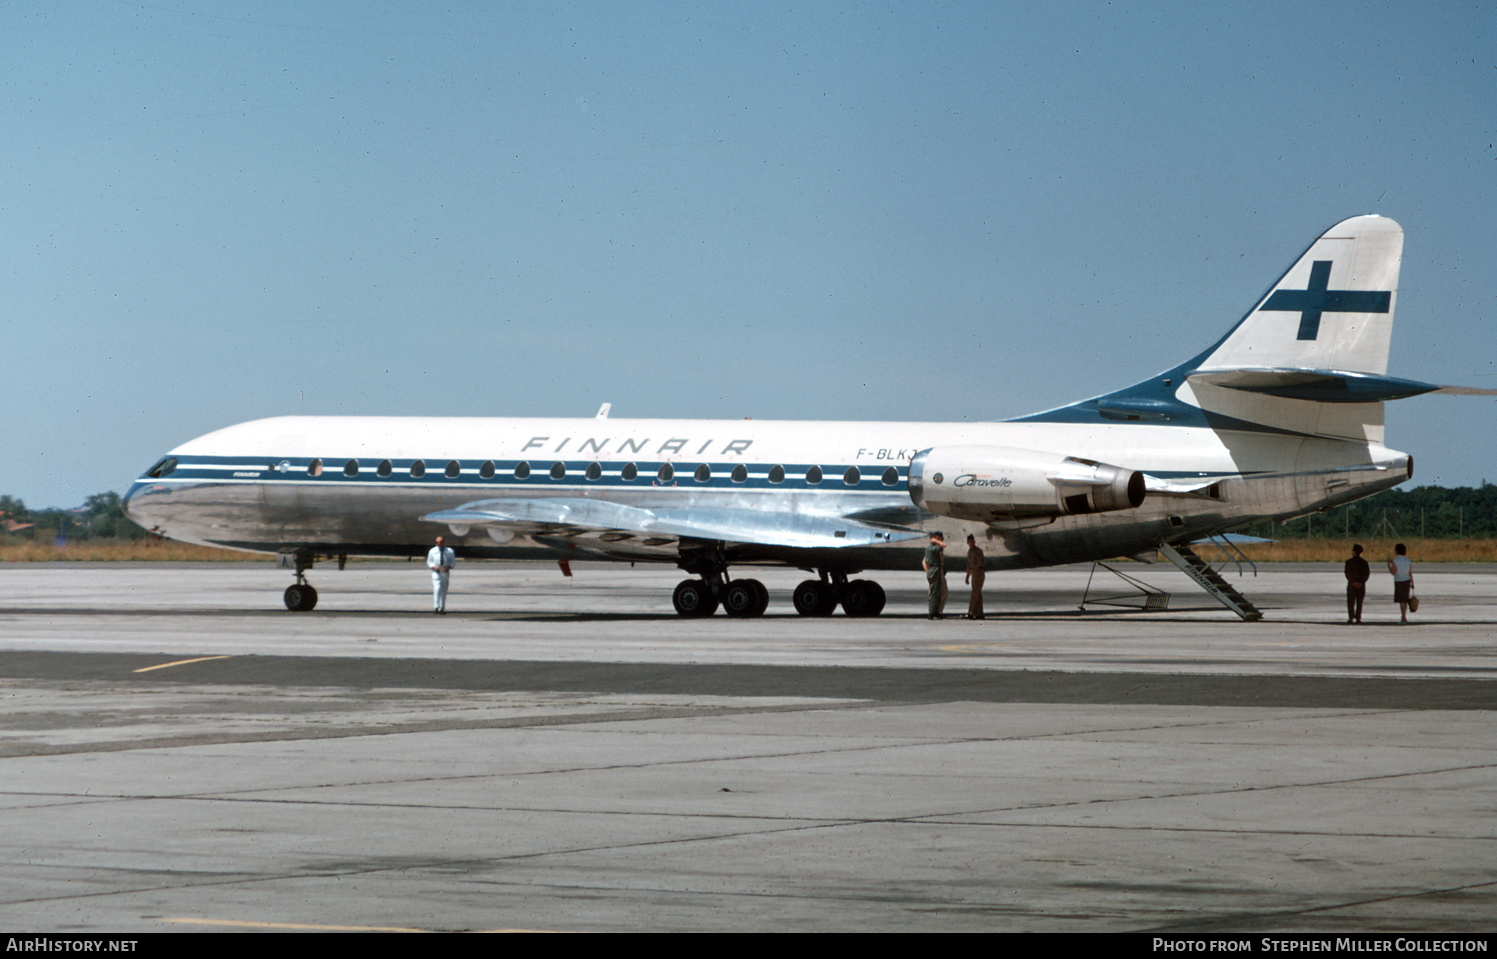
418 469
351 468
522 470
594 471
487 469
853 476
813 476
777 475
314 468
667 473
629 472
740 473
891 477
703 474
385 468
558 470
454 469
166 467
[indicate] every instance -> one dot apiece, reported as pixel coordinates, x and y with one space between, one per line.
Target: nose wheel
300 597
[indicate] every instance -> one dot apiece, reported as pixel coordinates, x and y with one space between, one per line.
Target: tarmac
178 752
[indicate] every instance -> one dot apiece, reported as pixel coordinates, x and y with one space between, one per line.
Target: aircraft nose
128 504
137 510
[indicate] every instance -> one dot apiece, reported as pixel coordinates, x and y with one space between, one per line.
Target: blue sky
220 211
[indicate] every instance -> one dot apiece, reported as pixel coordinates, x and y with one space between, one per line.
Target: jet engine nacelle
991 483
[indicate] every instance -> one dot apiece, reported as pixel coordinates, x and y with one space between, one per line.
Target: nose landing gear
300 597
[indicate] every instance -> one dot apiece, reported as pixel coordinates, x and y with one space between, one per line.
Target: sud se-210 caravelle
1280 417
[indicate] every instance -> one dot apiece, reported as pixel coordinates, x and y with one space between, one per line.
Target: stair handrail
1233 552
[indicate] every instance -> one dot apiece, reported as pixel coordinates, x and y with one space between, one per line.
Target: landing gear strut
300 597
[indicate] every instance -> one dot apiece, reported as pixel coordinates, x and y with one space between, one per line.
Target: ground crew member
934 564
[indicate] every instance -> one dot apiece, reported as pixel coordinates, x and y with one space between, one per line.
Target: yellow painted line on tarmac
313 927
307 927
180 662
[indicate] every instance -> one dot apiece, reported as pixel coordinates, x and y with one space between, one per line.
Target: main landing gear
739 598
820 597
300 597
747 598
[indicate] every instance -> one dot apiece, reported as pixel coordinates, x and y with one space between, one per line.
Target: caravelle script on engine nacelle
991 483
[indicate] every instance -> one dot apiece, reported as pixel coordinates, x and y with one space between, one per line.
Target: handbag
1413 601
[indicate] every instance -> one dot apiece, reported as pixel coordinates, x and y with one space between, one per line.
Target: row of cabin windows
594 471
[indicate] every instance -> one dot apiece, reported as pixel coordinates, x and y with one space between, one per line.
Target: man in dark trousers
976 573
1357 574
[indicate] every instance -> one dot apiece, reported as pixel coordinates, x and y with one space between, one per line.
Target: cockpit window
166 467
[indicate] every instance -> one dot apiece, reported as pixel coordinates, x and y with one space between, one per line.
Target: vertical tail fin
1310 357
1333 310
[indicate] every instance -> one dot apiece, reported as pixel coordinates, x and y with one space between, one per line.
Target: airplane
1280 417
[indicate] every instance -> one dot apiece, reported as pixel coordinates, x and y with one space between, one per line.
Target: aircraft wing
657 527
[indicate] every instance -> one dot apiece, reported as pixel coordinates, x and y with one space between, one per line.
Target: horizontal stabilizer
1316 386
552 517
1465 391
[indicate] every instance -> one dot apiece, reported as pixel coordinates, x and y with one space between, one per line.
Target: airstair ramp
1211 580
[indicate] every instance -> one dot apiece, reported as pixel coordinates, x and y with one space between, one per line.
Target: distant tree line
1464 512
100 517
1426 512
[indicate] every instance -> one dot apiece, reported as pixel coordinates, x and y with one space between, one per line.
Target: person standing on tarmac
975 575
1357 574
1402 569
439 560
934 564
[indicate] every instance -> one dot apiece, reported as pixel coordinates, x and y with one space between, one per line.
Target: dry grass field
1284 551
115 551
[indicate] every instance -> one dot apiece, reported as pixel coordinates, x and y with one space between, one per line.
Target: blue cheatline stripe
296 470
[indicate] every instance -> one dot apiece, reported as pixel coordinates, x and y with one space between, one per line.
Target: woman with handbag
1403 580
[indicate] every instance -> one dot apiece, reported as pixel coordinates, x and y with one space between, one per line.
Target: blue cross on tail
1316 299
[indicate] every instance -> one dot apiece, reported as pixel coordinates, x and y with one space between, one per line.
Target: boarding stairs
1210 580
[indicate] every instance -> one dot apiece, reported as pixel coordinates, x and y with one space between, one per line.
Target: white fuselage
360 485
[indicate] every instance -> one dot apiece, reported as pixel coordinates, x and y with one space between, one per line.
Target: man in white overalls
440 561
